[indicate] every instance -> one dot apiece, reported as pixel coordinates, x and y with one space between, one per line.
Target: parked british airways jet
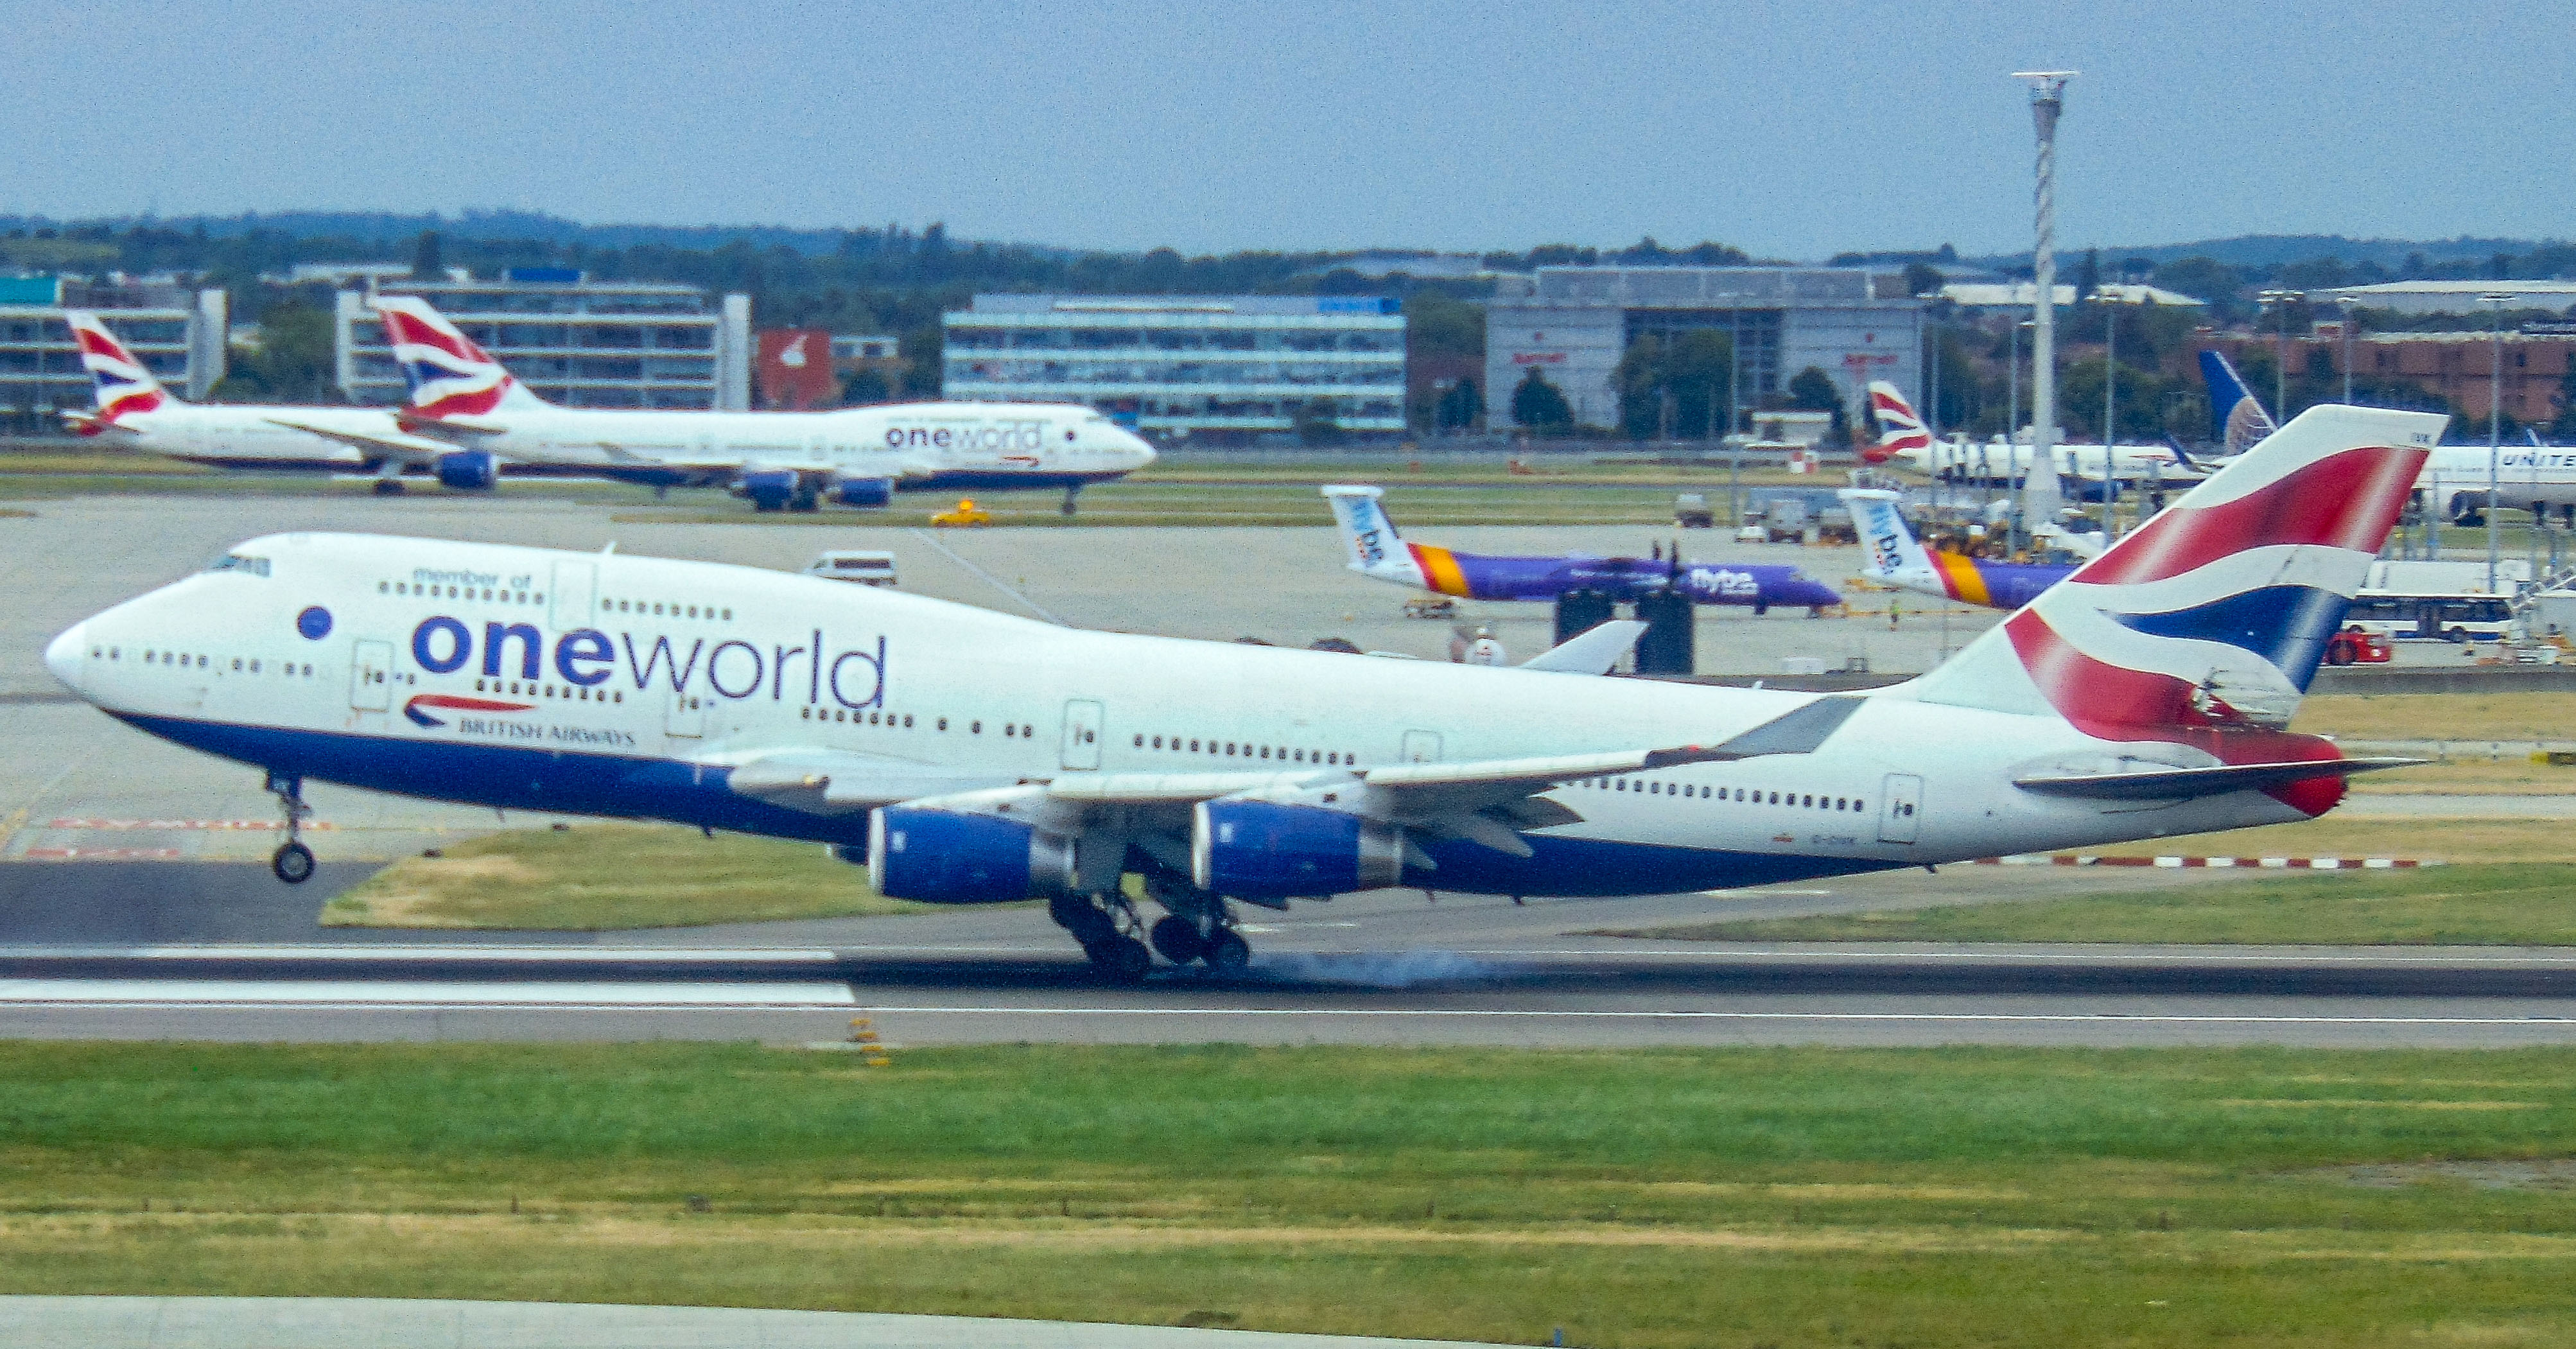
969 756
1903 437
132 406
1378 553
1897 559
780 460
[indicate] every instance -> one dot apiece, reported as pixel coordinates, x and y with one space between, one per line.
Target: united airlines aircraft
780 460
968 756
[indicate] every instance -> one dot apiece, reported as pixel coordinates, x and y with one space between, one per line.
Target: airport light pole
2347 304
2495 421
2280 301
2047 101
2110 405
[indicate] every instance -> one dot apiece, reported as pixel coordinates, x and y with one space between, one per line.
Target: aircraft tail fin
122 384
1901 432
2214 614
449 375
1369 537
1896 557
2236 416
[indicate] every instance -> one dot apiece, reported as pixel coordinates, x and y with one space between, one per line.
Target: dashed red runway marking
101 855
253 826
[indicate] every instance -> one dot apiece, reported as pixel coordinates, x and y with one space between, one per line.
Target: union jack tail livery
449 375
124 386
1900 431
2202 629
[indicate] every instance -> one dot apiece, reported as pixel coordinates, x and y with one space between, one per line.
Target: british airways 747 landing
969 756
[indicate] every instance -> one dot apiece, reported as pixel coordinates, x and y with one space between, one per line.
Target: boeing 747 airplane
967 756
780 460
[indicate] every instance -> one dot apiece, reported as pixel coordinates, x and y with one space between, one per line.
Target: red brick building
2456 366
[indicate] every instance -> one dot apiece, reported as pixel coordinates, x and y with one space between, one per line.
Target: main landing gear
293 862
1197 930
1069 494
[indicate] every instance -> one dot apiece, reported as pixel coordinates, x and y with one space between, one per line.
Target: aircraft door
1082 720
371 676
1898 800
1421 746
687 715
574 584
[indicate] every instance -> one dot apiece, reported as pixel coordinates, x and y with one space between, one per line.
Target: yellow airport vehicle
964 514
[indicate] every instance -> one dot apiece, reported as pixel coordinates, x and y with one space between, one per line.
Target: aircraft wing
2169 784
837 782
397 446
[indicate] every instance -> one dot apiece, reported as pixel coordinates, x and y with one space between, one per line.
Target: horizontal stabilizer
1590 652
2172 784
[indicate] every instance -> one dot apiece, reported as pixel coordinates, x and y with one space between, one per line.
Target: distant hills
2273 250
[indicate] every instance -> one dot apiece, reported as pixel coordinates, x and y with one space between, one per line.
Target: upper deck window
256 566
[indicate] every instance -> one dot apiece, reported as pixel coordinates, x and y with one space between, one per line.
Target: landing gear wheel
1068 500
1122 959
1179 942
389 487
293 863
1227 953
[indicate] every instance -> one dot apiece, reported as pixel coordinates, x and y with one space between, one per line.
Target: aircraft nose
1139 454
66 654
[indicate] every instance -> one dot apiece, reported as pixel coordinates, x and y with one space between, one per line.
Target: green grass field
597 877
2527 904
1786 1197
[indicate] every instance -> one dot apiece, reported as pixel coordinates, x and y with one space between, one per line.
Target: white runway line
335 993
988 578
2126 1018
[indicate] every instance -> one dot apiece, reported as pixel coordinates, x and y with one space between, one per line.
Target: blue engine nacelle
770 489
1263 850
865 492
945 857
469 470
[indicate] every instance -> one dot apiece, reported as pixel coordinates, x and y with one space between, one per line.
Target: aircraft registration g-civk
969 756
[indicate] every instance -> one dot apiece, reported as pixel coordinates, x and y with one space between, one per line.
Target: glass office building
577 342
177 333
1219 368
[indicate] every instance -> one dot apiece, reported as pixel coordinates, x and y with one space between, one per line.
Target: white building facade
577 342
1572 325
177 333
1222 367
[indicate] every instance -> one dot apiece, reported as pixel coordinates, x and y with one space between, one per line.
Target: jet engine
469 470
949 857
770 489
864 492
1262 849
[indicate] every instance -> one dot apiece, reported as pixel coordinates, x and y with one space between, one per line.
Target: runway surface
211 951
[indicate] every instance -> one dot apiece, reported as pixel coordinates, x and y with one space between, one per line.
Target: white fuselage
258 436
914 443
1999 460
2525 475
630 686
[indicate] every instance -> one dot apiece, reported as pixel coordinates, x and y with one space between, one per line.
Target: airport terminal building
1225 368
574 341
1572 324
177 333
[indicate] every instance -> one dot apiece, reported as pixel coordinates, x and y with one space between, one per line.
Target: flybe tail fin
124 386
2236 416
1369 537
1900 431
449 375
2214 614
1896 557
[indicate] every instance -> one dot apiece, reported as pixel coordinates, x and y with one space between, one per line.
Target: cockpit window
256 566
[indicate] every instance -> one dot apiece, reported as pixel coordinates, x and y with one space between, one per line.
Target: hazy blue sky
1786 129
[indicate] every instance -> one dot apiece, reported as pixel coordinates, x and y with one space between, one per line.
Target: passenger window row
665 609
843 714
524 689
1758 797
1239 749
484 594
198 661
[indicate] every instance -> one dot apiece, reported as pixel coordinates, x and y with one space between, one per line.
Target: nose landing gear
292 862
1069 494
